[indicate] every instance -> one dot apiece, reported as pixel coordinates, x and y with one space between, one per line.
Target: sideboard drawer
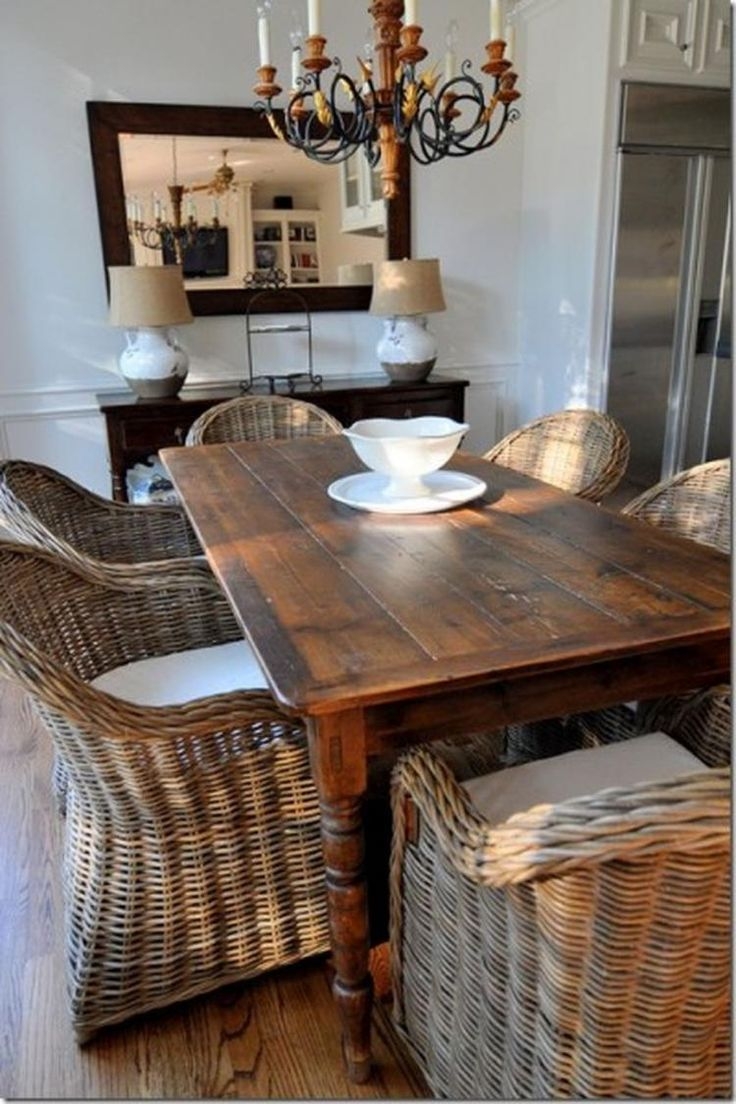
158 432
410 407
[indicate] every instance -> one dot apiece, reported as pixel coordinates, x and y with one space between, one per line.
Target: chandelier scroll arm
392 104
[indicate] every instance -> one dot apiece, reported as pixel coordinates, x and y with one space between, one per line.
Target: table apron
533 697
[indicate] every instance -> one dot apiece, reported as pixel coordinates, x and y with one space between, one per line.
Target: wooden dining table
382 630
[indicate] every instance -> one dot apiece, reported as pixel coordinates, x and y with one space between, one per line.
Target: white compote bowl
406 449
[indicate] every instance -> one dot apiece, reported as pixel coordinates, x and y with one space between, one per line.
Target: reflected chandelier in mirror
212 187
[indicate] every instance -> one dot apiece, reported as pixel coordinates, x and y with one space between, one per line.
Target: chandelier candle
391 102
264 37
313 18
495 20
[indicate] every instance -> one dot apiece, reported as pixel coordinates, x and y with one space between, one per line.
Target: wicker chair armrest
122 721
101 616
103 715
688 813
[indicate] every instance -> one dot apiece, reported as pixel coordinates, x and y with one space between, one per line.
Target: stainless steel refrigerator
669 373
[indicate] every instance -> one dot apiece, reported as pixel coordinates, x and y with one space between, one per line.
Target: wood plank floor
276 1037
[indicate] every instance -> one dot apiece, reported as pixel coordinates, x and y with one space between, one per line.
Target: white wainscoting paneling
487 405
60 427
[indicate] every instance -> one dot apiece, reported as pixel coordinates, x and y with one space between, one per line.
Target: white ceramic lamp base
153 365
407 351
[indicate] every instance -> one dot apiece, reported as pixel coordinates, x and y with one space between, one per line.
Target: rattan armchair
42 507
258 418
695 503
700 720
192 852
584 452
577 949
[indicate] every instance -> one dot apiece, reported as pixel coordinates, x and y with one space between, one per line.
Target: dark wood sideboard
138 428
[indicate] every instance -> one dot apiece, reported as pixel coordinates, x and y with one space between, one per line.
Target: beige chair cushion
655 757
184 676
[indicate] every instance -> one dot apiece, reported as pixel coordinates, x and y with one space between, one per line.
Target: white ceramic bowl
405 449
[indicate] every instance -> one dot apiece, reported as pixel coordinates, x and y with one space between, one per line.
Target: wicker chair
42 507
192 853
579 948
700 720
258 418
580 451
695 504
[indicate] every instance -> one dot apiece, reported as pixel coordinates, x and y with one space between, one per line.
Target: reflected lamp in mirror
404 293
359 274
147 302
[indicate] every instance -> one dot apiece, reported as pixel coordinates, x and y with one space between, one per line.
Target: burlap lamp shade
148 296
407 287
146 301
404 292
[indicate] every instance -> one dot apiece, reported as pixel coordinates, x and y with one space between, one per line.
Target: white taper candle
313 16
264 39
410 13
496 21
510 37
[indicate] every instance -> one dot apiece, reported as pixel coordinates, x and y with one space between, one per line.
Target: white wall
566 155
57 348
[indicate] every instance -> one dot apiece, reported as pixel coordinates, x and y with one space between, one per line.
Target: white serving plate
444 490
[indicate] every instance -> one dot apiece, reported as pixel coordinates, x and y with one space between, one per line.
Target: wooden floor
276 1037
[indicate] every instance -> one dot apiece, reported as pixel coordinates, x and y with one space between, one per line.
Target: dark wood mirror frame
108 120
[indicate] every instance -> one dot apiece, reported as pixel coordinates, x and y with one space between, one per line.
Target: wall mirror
253 203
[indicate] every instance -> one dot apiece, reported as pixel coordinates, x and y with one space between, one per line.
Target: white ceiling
148 161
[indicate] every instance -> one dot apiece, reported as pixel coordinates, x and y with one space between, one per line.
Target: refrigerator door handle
700 173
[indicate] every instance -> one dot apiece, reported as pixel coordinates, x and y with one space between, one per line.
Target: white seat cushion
655 757
184 676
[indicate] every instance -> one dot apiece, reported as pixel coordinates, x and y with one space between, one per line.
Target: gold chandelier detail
391 103
179 234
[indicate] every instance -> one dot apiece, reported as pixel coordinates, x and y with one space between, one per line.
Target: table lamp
146 301
404 292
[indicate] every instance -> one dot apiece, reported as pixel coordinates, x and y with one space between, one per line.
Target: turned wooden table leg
342 841
338 760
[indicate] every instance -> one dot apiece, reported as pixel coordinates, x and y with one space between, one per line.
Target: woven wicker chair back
42 507
89 618
584 452
259 418
695 503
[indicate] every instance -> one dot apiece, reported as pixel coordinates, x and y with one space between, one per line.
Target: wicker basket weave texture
584 452
259 418
695 503
192 852
42 507
700 720
576 951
